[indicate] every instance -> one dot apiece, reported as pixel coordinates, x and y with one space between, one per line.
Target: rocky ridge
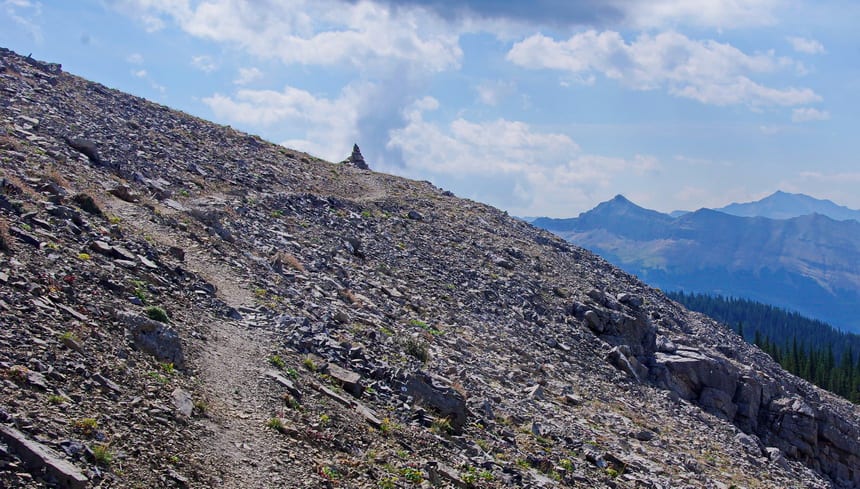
184 305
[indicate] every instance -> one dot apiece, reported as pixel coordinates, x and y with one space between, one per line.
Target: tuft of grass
201 406
168 368
441 426
69 336
277 361
85 426
417 349
309 364
56 399
140 290
102 454
412 475
387 426
84 256
275 423
157 314
426 327
387 483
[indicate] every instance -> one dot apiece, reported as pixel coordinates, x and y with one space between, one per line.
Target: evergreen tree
807 348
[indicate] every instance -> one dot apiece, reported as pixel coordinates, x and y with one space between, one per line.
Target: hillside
806 347
184 305
810 264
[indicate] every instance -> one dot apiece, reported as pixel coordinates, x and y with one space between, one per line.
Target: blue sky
545 107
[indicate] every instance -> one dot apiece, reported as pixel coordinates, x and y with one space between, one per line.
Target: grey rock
436 392
154 337
349 380
182 401
40 457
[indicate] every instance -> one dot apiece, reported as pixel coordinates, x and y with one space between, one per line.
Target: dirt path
236 448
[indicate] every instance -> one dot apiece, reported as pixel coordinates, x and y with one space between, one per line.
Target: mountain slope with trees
811 349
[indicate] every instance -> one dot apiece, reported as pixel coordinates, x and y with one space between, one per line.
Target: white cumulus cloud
806 114
204 63
546 172
323 126
720 14
707 71
321 32
806 46
248 75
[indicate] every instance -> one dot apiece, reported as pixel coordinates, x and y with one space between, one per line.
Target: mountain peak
786 205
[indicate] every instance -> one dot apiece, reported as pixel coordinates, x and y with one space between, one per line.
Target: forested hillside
806 347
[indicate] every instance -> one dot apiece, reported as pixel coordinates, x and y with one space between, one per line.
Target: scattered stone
183 402
40 457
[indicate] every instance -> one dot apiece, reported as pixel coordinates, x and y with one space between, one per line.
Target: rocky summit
185 305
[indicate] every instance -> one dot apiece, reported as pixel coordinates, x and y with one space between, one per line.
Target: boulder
349 380
154 337
437 393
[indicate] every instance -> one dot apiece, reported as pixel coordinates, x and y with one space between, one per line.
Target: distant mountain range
784 205
808 262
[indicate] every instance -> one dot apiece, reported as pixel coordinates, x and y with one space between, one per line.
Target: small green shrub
329 473
309 364
412 475
157 314
275 423
102 454
57 399
417 349
441 426
68 336
277 361
85 426
387 483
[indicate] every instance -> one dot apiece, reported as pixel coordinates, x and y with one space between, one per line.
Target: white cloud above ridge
707 71
547 171
327 126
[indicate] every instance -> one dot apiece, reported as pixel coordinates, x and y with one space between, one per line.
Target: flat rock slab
350 380
37 456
